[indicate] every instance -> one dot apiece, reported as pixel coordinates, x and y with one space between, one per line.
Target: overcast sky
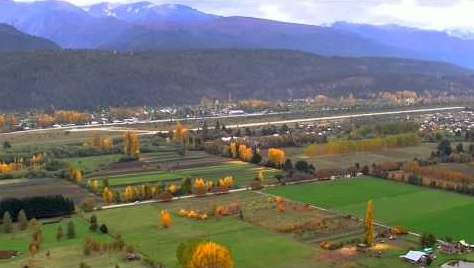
430 14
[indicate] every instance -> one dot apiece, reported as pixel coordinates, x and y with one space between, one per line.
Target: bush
398 230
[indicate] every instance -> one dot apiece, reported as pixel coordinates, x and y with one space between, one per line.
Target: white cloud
432 14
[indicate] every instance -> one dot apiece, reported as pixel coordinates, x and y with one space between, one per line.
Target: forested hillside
13 40
86 79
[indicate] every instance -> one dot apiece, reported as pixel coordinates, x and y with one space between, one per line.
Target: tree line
38 207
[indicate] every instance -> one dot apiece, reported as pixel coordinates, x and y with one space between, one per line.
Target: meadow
63 253
251 246
420 209
422 150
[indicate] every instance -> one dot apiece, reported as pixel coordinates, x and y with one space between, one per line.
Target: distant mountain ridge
13 40
60 78
147 26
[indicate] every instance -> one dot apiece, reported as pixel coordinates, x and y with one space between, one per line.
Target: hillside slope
85 79
11 39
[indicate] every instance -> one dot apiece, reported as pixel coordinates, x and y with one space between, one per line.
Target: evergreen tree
7 226
59 233
22 220
93 223
71 230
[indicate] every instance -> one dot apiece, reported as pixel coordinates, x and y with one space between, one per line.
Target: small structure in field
414 256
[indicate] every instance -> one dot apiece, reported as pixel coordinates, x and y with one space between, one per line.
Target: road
109 126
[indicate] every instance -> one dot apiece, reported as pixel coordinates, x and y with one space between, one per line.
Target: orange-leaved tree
210 254
165 219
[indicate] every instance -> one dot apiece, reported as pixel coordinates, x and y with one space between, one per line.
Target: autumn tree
2 122
199 187
276 157
107 195
369 224
7 226
210 254
165 219
96 140
185 251
106 143
33 248
22 220
225 184
131 144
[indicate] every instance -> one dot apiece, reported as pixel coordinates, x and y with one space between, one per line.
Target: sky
425 14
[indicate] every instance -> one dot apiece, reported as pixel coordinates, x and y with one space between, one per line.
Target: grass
41 187
363 158
93 163
251 246
64 253
243 174
420 209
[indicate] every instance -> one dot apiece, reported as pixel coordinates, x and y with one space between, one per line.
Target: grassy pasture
251 246
93 163
364 158
41 187
64 253
420 209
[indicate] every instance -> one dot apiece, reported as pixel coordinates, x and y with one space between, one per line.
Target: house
414 256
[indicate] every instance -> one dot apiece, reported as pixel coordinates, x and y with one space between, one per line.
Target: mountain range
83 79
147 26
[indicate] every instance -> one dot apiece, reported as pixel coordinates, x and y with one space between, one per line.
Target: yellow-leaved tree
369 224
210 254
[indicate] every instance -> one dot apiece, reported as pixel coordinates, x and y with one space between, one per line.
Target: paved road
109 125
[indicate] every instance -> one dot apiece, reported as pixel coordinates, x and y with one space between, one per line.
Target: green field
65 253
363 158
251 246
418 208
242 173
93 163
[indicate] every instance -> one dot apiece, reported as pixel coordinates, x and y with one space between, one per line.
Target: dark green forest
87 79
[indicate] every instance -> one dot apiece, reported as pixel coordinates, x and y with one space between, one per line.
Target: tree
93 223
22 220
59 233
7 226
186 186
369 225
288 166
71 230
7 145
131 144
427 240
103 228
211 254
96 141
302 166
185 251
165 219
460 148
107 195
444 149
